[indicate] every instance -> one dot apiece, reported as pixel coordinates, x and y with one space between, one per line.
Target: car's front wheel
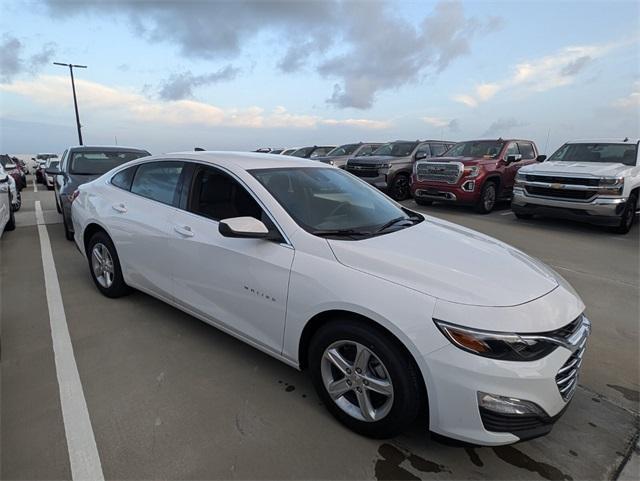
104 266
629 215
366 380
400 187
488 196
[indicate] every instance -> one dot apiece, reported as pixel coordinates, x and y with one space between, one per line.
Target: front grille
567 377
438 172
553 179
560 193
363 170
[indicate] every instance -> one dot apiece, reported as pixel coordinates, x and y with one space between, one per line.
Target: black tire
17 205
424 202
118 288
58 206
408 394
522 216
68 233
11 223
628 216
400 188
488 196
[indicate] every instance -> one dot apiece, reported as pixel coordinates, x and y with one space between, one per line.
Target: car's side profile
393 313
7 219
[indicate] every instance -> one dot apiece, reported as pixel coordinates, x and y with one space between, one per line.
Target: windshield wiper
395 221
340 232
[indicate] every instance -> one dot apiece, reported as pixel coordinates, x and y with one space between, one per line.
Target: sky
237 75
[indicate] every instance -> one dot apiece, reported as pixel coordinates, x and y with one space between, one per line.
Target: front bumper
465 191
600 210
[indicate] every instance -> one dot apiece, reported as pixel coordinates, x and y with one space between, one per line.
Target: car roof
628 141
106 148
245 160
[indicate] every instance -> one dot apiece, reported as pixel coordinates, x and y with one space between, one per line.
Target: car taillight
74 196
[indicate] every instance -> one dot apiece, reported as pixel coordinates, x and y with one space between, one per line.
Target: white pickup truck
595 181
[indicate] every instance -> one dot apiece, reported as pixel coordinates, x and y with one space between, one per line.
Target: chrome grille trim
568 374
446 172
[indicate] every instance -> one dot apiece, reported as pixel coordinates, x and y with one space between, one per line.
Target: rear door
143 202
238 284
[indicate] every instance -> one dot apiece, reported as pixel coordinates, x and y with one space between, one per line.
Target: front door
237 284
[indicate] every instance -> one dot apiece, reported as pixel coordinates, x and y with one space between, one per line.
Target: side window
158 181
63 162
512 149
424 148
526 149
216 195
124 178
366 150
437 149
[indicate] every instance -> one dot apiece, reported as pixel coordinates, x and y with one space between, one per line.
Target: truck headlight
497 345
519 180
385 166
471 171
611 185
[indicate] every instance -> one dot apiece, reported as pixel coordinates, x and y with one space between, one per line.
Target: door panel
240 283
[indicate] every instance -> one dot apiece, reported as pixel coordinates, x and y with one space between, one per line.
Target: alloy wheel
489 198
102 265
357 381
401 187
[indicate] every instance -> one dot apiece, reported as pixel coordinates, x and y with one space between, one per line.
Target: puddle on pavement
517 458
629 394
474 457
388 468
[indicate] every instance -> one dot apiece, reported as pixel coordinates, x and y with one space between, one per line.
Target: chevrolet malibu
394 314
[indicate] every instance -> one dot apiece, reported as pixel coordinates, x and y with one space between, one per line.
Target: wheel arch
90 229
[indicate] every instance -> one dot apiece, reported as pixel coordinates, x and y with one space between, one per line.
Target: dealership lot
170 397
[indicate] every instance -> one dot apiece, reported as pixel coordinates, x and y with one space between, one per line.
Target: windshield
593 152
53 163
347 149
321 151
303 152
476 148
97 163
45 156
332 202
396 149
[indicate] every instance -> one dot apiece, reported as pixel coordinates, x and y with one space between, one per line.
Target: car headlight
611 185
497 345
385 166
471 171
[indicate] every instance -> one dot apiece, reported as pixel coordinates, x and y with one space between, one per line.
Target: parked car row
595 181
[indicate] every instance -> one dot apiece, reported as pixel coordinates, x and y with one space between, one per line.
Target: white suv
595 181
393 313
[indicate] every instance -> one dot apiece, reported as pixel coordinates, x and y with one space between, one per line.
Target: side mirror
421 155
247 227
513 158
541 158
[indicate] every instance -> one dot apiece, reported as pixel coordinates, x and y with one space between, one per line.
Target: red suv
477 172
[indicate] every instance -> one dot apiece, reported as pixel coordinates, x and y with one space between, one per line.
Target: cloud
630 102
180 86
538 75
440 123
13 63
366 47
503 126
128 105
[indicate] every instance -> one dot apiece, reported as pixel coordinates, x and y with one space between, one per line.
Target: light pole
73 87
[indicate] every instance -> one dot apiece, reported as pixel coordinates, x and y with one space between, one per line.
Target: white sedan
7 193
393 313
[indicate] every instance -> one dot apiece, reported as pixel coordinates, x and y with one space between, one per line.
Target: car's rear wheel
399 188
488 196
11 223
423 201
17 202
366 380
629 215
104 266
58 208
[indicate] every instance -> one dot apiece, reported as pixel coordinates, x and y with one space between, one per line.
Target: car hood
459 159
598 169
450 262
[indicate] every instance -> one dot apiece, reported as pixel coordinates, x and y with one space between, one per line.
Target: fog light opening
508 405
469 186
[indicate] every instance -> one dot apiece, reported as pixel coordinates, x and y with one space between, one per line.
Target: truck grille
553 179
560 193
438 172
567 377
362 170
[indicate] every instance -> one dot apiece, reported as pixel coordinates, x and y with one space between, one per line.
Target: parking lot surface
173 398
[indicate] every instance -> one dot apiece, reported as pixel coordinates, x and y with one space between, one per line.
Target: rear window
98 163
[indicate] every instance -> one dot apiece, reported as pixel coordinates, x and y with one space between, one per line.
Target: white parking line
81 444
35 185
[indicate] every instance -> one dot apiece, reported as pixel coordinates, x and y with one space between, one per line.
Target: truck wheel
487 200
423 201
399 188
365 379
628 216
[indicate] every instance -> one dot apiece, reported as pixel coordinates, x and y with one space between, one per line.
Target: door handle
184 230
119 208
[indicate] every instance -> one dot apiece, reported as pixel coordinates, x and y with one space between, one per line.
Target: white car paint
265 293
6 186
